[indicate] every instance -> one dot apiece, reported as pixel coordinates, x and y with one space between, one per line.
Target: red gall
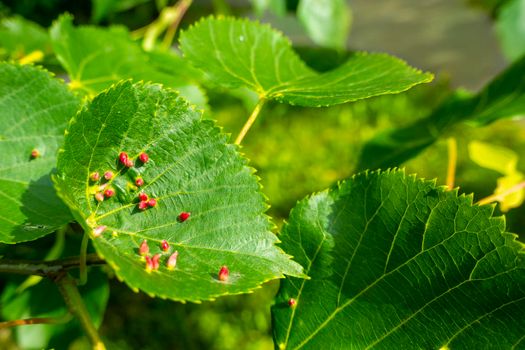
155 261
184 216
143 157
143 197
94 176
292 303
128 163
139 181
109 192
152 202
144 248
164 245
108 175
99 196
123 157
98 231
35 154
149 263
172 260
143 205
224 273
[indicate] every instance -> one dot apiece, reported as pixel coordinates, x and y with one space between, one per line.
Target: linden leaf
497 158
240 53
191 169
34 111
511 29
398 263
22 39
95 58
327 22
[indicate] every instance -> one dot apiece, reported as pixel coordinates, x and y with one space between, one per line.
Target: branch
36 320
250 121
46 268
76 306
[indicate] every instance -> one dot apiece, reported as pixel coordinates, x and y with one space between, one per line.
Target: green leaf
34 111
103 9
239 53
398 263
507 192
191 169
511 28
96 58
277 7
504 97
20 37
327 22
497 158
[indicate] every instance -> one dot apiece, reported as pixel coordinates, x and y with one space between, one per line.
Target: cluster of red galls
108 192
153 262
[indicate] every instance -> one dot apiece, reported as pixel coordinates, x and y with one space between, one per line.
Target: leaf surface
191 169
510 26
238 53
96 58
504 97
20 37
327 22
34 111
398 263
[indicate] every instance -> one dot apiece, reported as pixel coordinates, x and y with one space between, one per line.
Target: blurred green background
297 151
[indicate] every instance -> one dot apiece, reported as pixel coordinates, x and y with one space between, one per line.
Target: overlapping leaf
511 29
20 37
95 58
239 53
191 169
504 97
34 111
327 22
397 263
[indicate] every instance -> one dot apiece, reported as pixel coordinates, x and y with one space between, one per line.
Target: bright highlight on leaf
398 263
240 53
504 161
34 110
190 167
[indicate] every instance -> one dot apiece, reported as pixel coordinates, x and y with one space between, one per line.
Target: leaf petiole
75 304
452 146
250 121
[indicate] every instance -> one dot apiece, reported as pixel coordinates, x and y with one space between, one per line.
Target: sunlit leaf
96 57
398 263
191 169
511 197
497 158
34 111
239 53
